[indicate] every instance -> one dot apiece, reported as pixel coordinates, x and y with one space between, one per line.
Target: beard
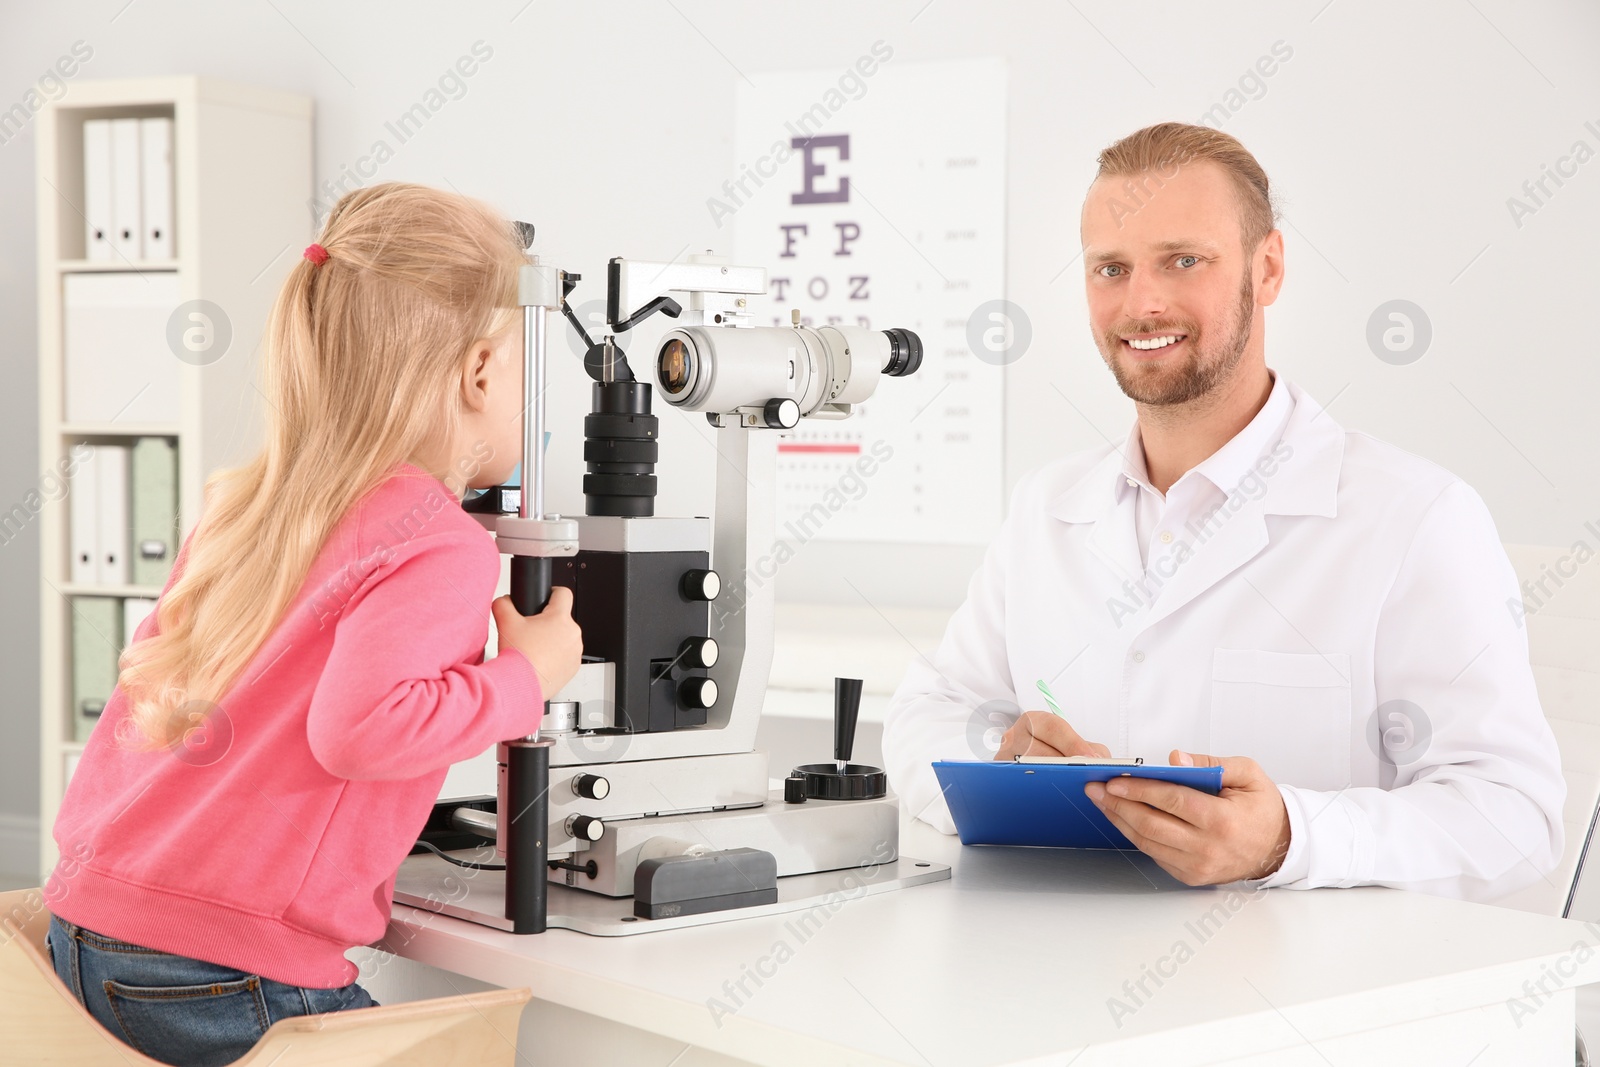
1209 363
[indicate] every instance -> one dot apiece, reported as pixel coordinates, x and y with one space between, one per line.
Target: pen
1050 699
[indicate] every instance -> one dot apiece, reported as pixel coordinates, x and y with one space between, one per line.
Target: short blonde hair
1166 147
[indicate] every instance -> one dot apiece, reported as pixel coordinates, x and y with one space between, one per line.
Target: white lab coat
1361 575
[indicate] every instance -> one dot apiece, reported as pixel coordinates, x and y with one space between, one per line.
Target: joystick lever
841 779
846 709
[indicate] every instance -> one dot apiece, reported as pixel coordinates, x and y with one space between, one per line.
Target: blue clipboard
999 803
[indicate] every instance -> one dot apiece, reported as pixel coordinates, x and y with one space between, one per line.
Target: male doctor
1322 612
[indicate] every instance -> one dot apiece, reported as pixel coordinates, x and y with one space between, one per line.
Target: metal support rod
533 361
524 809
531 577
527 846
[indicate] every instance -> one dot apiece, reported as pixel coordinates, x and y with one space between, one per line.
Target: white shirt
1163 522
1342 618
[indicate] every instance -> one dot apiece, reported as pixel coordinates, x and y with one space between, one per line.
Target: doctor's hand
1201 839
1043 733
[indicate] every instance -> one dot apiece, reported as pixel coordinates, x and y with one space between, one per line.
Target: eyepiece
905 352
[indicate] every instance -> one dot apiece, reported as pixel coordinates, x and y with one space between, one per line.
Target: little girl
284 719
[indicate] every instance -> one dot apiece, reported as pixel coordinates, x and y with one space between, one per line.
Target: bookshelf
242 173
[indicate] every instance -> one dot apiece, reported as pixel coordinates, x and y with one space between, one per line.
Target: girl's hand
551 640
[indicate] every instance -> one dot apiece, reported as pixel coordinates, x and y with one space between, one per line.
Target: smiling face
1174 298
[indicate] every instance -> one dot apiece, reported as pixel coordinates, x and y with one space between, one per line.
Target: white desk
1016 960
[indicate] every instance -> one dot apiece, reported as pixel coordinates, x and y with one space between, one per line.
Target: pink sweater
269 839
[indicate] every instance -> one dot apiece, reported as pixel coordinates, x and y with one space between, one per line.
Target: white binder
111 477
97 189
118 365
127 230
135 610
85 521
155 162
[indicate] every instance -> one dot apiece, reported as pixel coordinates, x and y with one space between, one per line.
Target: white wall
1395 133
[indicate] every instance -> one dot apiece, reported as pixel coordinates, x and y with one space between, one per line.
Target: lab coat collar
1228 465
1298 475
1231 464
1303 480
1307 483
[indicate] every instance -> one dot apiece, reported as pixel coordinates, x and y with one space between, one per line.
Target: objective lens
672 366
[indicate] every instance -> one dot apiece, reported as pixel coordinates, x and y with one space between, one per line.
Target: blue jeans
175 1009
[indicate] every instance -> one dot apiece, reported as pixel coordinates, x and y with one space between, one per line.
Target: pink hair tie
316 254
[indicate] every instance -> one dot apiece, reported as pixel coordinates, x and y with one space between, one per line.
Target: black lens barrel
620 447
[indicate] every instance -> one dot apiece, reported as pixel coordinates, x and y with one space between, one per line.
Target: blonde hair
362 354
1161 150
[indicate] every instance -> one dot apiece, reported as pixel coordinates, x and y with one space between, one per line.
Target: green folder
154 510
96 644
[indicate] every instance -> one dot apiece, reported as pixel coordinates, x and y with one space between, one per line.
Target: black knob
846 706
794 789
586 827
700 585
781 413
697 692
698 652
591 786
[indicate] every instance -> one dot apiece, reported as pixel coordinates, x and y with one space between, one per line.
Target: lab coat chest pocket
1288 711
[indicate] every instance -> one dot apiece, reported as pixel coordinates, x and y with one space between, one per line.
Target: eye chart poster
874 195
